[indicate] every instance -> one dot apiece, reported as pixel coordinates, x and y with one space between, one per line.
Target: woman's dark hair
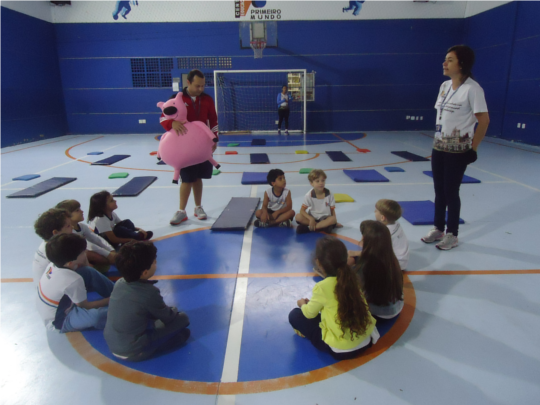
51 220
193 73
378 268
353 312
64 248
98 203
273 175
465 56
285 86
135 257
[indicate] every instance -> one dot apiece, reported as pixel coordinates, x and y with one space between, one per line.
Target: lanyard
444 99
197 109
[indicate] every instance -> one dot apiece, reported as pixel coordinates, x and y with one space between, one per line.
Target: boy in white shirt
276 208
100 253
388 212
318 209
61 294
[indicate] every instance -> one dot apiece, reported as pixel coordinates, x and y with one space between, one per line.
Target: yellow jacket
324 301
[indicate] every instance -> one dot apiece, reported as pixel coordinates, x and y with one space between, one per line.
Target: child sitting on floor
108 225
62 300
336 320
318 209
378 271
276 208
100 253
136 303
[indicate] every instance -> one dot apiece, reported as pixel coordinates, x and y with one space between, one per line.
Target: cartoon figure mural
123 8
356 6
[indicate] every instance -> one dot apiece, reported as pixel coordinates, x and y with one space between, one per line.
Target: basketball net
258 47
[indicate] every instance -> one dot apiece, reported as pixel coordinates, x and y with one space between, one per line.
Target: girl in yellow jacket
336 319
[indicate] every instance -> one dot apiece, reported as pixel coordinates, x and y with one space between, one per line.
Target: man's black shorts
191 174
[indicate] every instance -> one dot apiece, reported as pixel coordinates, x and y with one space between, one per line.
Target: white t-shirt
319 208
104 223
276 203
40 263
285 99
400 244
458 119
95 243
53 285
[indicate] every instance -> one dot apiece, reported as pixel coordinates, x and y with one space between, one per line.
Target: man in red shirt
200 107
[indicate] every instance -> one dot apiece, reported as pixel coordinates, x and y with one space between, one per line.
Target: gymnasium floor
466 334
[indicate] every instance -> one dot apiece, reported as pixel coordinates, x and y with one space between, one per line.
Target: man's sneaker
260 224
179 217
199 213
285 224
449 241
433 236
300 229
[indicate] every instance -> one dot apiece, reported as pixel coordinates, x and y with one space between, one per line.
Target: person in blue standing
460 106
283 99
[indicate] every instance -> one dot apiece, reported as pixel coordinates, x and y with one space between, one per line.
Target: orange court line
35 146
17 280
350 143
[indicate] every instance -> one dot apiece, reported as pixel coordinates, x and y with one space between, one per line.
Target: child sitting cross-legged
336 319
62 301
139 322
277 204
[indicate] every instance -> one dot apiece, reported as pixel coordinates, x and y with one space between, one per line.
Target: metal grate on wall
151 72
209 62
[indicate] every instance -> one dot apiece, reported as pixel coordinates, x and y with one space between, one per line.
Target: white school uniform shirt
40 263
95 243
276 203
53 285
458 119
400 244
104 223
319 208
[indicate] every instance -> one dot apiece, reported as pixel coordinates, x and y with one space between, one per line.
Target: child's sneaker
260 224
449 241
433 235
285 224
298 333
179 217
300 229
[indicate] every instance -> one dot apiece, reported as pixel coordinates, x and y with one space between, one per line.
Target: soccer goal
246 100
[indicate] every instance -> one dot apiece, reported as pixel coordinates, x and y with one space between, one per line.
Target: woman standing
460 105
283 109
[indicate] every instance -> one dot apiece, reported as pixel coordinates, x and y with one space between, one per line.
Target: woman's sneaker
179 217
199 213
449 241
433 236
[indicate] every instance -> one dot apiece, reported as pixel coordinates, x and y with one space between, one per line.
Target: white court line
66 163
506 178
234 340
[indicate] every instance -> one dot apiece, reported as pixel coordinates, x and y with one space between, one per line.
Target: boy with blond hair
388 212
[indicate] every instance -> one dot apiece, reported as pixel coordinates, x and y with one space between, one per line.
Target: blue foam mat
110 160
254 178
338 156
134 187
393 169
366 176
95 153
410 156
420 212
26 177
466 179
237 214
256 158
41 188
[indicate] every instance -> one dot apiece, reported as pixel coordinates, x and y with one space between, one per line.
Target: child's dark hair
353 312
64 248
273 175
135 257
98 203
378 268
69 205
465 56
51 220
390 209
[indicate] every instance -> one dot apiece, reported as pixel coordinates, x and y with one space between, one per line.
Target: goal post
246 100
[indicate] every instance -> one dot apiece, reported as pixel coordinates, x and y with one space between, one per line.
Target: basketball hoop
258 46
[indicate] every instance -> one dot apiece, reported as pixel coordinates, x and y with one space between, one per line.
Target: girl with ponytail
336 319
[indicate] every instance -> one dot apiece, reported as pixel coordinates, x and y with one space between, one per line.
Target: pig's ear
160 104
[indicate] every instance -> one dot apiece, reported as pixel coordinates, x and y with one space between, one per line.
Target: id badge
438 133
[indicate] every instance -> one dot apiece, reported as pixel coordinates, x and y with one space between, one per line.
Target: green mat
122 175
305 171
233 144
216 172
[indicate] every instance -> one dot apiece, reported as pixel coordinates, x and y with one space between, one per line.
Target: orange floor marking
352 144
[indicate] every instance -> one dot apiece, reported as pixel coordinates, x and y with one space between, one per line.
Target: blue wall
371 74
32 98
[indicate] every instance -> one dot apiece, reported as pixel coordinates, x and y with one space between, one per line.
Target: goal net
246 100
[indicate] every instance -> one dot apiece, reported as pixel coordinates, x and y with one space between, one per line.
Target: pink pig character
193 147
